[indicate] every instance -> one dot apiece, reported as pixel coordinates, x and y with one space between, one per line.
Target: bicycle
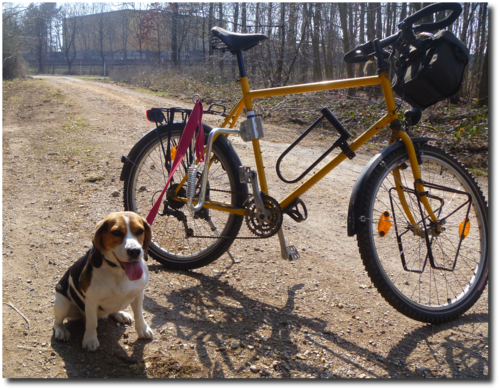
419 216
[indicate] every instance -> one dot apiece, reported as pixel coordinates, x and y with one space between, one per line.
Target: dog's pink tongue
133 270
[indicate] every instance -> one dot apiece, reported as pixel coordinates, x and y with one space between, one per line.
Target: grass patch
75 151
74 125
93 178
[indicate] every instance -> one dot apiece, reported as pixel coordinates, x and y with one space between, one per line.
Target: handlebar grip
455 8
389 40
359 54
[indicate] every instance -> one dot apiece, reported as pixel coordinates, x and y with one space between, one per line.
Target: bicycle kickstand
287 252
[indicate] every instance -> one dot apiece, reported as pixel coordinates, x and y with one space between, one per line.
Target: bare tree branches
306 40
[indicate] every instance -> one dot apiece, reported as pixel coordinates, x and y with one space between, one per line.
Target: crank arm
248 175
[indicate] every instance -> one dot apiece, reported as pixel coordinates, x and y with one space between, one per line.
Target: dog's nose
133 253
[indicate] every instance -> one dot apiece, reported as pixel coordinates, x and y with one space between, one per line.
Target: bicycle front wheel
429 272
183 239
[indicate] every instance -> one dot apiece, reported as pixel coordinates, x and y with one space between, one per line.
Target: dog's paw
145 333
61 333
90 344
122 317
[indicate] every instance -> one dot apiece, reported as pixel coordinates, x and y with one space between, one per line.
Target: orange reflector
173 151
384 224
461 231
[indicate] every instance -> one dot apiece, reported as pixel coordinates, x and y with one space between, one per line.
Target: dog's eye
139 232
117 233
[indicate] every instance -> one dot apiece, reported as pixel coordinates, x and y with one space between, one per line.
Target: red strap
187 135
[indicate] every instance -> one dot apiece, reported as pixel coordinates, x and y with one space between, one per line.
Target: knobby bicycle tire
171 244
397 260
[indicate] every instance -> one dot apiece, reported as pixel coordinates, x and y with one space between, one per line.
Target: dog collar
109 262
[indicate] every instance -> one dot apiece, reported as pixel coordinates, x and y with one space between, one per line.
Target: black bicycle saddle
238 42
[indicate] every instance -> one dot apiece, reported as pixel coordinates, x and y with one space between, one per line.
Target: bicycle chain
227 192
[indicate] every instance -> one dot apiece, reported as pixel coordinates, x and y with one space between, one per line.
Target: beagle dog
108 278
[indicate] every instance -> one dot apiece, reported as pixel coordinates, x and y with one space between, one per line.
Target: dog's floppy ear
147 234
96 257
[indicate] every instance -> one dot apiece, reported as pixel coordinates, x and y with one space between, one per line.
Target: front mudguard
354 212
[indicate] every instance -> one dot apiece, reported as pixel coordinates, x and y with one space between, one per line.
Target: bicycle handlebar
362 52
456 9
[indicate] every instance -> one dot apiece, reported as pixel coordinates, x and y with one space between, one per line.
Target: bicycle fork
422 195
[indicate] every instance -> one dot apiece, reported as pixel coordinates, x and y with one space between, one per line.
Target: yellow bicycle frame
382 79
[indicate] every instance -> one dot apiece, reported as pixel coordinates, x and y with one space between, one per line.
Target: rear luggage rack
166 115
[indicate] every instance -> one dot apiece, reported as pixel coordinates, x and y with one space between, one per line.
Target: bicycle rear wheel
426 288
183 239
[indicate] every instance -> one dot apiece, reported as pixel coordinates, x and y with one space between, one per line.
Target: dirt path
261 317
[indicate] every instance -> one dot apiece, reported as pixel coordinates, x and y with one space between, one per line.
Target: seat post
241 64
245 86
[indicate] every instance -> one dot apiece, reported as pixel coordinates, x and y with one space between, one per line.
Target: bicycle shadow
243 319
457 352
240 323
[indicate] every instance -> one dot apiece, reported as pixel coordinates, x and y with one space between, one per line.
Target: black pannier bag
427 77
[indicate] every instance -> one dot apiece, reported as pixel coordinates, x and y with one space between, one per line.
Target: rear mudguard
133 154
357 192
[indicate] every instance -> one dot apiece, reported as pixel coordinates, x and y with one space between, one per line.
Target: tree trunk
253 66
221 60
244 17
345 42
317 71
378 31
281 51
304 60
362 39
388 20
370 22
483 99
465 25
404 12
235 29
173 32
482 41
210 25
297 49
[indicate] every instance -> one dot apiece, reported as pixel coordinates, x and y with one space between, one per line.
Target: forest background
164 48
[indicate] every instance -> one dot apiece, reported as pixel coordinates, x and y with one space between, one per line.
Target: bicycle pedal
293 210
292 252
245 175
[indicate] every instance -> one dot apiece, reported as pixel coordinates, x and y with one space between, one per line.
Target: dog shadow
110 360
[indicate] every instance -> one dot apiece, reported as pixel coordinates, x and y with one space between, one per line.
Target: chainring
257 223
